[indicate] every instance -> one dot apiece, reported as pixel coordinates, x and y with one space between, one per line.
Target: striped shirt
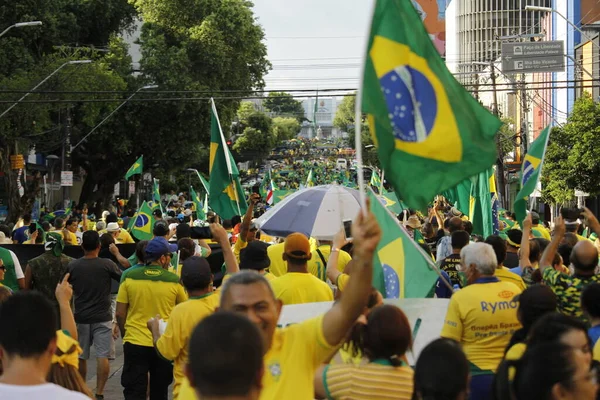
378 380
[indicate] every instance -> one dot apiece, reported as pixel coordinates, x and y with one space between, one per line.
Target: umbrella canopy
316 211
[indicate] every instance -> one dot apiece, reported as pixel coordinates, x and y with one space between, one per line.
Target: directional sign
530 57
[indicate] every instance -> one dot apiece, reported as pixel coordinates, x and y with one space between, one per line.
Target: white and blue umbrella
317 212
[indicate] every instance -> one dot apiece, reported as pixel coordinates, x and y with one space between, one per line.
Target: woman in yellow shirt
384 341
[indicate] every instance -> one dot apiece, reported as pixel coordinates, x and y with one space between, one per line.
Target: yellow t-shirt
72 236
542 231
516 351
148 291
124 237
373 381
278 267
342 281
483 318
316 266
237 248
173 344
269 276
299 288
290 364
505 275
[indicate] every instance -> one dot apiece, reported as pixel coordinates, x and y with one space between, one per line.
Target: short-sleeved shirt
374 381
173 344
443 249
512 260
442 291
22 234
275 253
483 317
342 281
239 245
451 265
568 290
124 237
505 275
47 271
91 279
319 269
541 232
299 288
148 291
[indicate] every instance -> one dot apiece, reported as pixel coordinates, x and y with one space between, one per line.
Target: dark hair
71 220
541 367
187 248
570 238
59 223
227 224
140 251
565 251
236 219
499 246
552 326
226 355
534 251
106 240
460 239
45 226
352 345
90 240
28 322
158 213
244 278
27 218
441 372
111 217
130 212
455 224
590 300
296 262
543 243
183 231
468 227
386 335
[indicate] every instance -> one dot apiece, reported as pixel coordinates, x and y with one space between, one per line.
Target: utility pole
524 119
66 155
500 161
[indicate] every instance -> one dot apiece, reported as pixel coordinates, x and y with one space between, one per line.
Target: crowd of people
523 317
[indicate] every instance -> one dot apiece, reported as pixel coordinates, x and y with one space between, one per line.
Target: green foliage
255 141
285 128
555 189
506 136
246 109
282 103
344 116
344 119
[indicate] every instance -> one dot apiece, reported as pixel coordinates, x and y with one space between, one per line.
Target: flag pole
358 120
539 176
382 178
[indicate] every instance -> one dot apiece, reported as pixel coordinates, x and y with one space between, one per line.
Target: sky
314 44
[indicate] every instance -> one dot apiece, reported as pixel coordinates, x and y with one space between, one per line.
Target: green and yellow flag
429 131
530 173
136 168
142 224
198 204
401 269
226 195
375 181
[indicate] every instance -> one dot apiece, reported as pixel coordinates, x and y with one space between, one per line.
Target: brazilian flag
197 204
142 223
429 131
530 173
136 168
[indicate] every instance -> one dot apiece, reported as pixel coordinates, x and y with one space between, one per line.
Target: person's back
299 288
444 247
451 264
28 344
317 264
277 267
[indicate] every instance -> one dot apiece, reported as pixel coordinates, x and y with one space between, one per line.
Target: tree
555 189
282 103
256 142
344 116
285 128
246 109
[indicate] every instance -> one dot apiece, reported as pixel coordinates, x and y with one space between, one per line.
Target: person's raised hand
527 222
339 240
592 221
366 235
64 290
219 234
254 198
559 226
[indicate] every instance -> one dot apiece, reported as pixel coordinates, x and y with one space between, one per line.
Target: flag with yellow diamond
401 269
136 168
429 131
226 196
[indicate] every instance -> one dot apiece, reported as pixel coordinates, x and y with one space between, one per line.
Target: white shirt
18 269
46 391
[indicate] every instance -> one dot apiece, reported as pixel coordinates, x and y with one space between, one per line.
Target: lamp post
21 25
111 114
552 10
51 160
74 62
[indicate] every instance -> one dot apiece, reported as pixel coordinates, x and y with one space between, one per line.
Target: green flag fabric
197 204
375 180
309 179
429 131
401 267
156 193
530 173
481 210
205 184
136 168
226 195
141 225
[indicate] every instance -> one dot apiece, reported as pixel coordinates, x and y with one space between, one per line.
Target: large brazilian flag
429 131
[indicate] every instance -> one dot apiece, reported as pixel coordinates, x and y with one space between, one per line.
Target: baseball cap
255 256
172 246
112 227
156 248
297 246
196 273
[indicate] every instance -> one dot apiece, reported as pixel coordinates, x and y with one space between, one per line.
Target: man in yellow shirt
145 293
482 316
247 228
317 264
499 245
237 344
538 229
69 237
293 353
255 257
298 286
123 237
197 279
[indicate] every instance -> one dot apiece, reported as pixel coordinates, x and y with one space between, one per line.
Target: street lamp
552 10
112 112
21 25
74 62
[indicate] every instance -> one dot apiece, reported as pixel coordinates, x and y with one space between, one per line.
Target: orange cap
297 246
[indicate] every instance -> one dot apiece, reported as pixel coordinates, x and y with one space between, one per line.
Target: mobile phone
201 232
347 228
32 227
571 214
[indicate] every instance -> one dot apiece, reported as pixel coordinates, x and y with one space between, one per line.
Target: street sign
17 161
529 57
66 178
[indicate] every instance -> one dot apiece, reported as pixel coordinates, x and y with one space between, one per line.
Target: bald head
584 256
455 224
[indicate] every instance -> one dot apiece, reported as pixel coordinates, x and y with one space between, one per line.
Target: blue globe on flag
406 90
141 221
528 170
392 282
